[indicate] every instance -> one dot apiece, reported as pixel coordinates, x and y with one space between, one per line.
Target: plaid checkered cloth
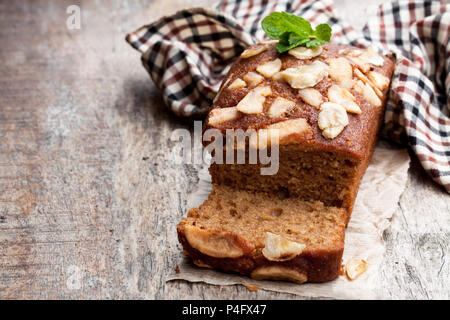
189 53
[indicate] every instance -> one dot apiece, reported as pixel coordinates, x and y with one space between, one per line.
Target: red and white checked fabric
189 53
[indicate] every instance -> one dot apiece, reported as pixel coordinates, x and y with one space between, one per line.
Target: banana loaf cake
327 105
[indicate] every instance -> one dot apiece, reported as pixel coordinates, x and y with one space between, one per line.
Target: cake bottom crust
310 266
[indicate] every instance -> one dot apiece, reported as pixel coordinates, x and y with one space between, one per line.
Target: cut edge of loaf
307 173
271 238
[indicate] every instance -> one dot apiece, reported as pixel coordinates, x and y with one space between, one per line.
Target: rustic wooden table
89 196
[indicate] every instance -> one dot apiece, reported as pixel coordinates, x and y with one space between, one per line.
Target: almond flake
270 42
368 93
254 100
305 76
280 106
282 132
250 52
368 82
361 76
279 272
332 119
343 97
311 96
278 77
379 80
355 267
305 53
377 91
214 244
360 63
269 68
253 79
354 53
341 71
370 56
350 52
237 84
277 248
220 115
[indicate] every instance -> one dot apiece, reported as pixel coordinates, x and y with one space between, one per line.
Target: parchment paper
380 190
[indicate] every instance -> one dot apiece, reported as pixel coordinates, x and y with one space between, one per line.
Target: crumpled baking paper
377 200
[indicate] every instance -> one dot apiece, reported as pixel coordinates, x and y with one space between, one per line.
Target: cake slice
265 236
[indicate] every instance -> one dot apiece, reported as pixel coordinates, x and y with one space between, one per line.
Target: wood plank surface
89 193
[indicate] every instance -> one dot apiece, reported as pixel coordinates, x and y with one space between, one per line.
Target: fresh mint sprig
293 31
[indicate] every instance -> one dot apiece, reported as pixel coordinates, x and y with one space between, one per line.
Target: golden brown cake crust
355 139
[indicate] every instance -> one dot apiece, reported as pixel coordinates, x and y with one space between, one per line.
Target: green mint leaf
314 43
288 41
323 32
295 39
283 47
293 31
277 23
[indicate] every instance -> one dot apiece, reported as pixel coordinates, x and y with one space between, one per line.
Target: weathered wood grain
89 193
